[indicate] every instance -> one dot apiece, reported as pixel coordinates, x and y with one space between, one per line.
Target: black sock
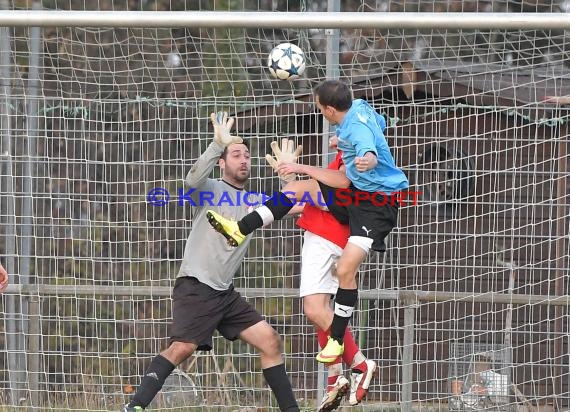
152 381
346 298
279 383
279 205
249 223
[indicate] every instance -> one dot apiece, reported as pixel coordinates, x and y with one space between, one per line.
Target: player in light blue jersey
371 169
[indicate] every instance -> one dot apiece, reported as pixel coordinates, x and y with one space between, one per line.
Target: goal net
467 309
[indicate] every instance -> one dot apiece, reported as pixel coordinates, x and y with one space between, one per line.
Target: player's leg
337 385
318 284
159 369
362 369
242 321
189 332
360 378
273 209
345 301
266 340
317 280
369 226
317 309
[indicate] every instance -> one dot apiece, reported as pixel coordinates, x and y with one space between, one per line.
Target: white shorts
319 257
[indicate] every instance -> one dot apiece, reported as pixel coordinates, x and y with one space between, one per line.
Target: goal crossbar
315 20
407 297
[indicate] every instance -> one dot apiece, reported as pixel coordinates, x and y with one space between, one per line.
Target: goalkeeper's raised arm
200 171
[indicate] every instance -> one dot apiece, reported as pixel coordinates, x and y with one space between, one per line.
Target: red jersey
323 223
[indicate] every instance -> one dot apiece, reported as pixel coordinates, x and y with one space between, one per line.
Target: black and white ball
286 61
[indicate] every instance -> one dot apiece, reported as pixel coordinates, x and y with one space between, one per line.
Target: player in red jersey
324 240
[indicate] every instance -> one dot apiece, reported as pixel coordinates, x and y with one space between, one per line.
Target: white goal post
467 309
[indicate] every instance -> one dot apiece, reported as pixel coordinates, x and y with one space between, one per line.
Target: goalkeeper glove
284 155
222 125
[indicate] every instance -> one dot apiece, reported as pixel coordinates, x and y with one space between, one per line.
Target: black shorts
365 217
198 310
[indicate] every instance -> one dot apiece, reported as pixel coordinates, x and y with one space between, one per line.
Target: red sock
331 380
350 347
361 367
322 337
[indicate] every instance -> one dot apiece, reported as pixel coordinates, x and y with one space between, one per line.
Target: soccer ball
286 61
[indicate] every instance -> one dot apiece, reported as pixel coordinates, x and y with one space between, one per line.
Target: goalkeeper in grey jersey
204 299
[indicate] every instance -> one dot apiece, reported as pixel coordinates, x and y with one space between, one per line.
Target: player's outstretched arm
332 178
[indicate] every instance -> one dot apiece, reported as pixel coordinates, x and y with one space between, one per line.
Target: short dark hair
334 93
225 152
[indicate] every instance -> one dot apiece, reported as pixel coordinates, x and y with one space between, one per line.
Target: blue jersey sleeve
362 139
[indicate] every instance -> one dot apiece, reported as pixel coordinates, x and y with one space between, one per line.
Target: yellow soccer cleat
331 351
228 228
